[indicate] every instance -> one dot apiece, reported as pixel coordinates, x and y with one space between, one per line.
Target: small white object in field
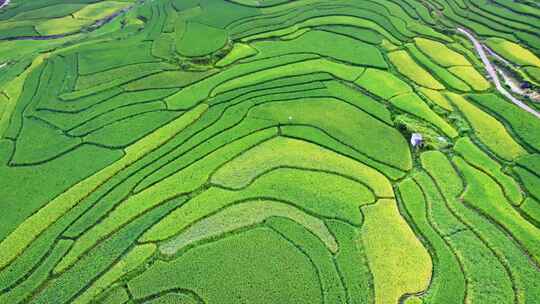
290 117
416 139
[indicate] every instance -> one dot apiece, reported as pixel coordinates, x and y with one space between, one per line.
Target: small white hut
416 140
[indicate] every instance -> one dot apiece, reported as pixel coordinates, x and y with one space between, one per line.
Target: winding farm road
3 3
493 74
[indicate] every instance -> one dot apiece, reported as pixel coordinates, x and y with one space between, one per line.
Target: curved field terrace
269 151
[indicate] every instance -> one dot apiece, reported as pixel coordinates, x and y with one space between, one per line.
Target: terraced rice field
258 151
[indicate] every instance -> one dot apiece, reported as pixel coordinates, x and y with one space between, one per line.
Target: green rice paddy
259 151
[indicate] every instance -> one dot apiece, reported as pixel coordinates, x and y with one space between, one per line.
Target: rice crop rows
259 151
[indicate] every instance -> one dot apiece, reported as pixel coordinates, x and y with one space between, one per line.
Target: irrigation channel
99 23
493 73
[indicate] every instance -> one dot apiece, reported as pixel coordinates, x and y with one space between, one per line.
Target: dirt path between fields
493 73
